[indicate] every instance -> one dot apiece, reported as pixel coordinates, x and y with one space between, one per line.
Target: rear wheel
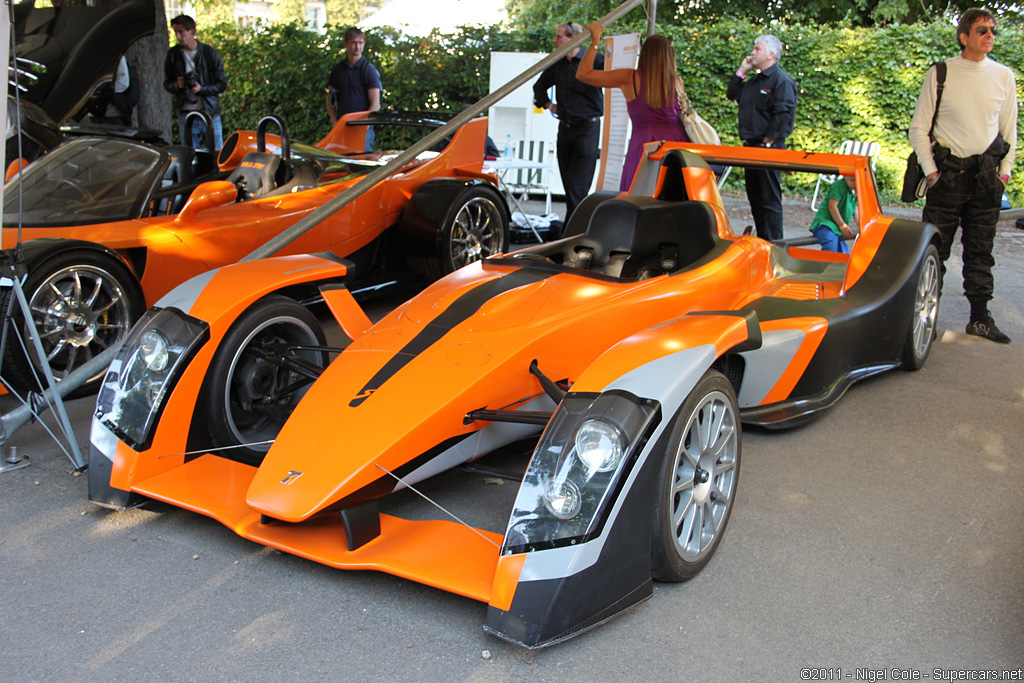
475 228
81 302
697 485
258 376
921 333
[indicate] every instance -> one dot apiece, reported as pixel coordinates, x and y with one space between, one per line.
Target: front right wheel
259 373
697 484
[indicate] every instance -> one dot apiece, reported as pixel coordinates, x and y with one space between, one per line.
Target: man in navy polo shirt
354 83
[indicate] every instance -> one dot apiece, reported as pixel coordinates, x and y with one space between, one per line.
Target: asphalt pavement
888 534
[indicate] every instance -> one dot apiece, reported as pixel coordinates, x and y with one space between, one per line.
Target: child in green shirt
831 223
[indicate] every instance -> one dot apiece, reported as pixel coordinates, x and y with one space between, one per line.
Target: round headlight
562 498
599 445
153 351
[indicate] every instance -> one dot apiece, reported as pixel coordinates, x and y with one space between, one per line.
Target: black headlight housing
145 371
578 469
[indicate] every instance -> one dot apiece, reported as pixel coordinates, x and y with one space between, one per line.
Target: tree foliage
349 12
212 12
850 13
855 83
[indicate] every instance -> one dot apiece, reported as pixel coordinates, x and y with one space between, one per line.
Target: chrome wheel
79 312
478 231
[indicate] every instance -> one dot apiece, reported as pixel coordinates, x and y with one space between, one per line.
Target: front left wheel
259 373
697 484
81 303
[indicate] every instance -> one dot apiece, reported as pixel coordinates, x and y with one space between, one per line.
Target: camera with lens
190 82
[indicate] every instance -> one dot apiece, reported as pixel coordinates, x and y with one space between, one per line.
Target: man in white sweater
975 141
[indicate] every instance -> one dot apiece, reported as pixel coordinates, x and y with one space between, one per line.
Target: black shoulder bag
914 182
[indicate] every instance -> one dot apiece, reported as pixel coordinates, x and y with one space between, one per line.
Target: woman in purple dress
653 92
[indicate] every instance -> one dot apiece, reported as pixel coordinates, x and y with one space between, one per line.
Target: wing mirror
15 168
207 196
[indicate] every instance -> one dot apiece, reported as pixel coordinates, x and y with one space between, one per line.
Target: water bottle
508 146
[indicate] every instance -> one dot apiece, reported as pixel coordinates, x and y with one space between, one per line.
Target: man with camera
194 75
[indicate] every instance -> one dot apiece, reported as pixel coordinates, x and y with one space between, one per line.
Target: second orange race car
635 347
110 225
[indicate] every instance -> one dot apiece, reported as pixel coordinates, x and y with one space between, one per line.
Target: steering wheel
83 194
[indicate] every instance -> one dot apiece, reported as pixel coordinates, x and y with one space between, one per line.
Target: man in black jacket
767 110
579 108
194 75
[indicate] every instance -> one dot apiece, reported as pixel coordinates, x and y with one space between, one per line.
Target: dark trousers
967 195
578 142
764 192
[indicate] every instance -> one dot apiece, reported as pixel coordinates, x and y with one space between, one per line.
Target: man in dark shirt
354 83
579 108
767 110
194 75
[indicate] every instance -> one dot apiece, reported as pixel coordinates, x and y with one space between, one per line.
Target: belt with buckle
579 120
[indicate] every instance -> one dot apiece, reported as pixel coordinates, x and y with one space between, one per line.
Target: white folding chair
868 149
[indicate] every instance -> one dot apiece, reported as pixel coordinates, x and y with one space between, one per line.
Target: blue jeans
199 132
830 241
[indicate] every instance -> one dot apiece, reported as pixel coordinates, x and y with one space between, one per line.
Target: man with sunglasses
968 162
579 108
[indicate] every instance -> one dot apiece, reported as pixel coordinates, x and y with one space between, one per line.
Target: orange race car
638 344
110 225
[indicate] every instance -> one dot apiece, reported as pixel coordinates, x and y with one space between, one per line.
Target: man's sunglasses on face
982 30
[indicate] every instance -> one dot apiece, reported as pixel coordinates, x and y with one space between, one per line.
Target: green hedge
854 83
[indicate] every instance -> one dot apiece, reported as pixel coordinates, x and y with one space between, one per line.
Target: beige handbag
697 129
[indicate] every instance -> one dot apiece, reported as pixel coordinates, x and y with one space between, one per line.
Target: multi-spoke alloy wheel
477 232
81 303
926 310
698 481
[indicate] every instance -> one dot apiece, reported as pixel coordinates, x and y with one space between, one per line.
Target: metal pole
36 404
304 225
15 419
652 13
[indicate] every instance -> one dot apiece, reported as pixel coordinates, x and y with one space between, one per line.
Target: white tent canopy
419 18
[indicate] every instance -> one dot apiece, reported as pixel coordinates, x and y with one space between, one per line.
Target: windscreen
88 180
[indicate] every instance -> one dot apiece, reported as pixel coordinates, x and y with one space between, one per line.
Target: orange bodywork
212 230
406 384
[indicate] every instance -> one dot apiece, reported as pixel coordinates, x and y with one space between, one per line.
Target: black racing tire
82 302
697 483
924 315
476 227
250 398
